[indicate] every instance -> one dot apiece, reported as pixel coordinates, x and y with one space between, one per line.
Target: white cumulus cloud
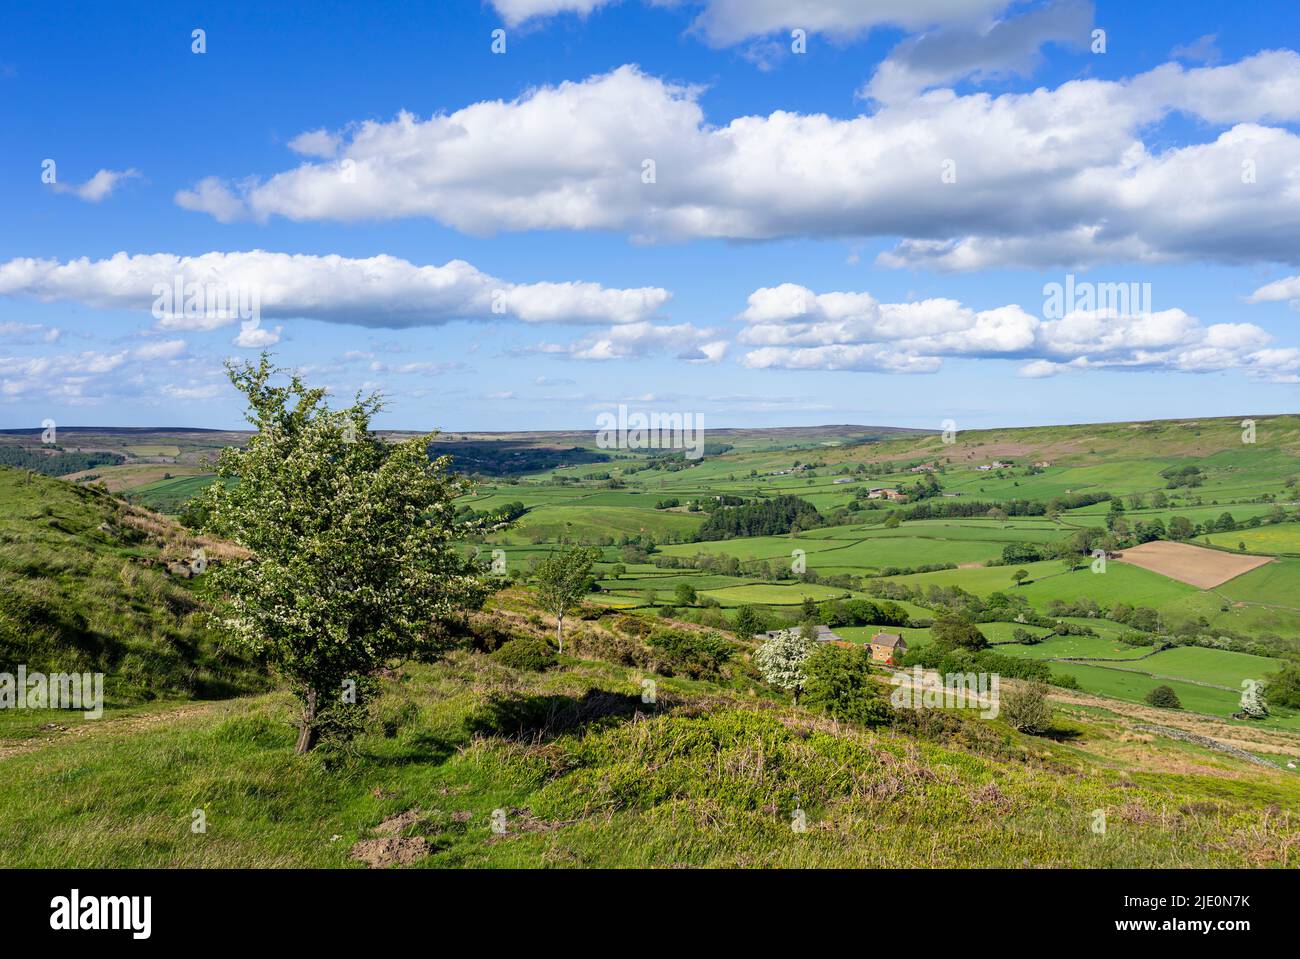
379 291
1053 176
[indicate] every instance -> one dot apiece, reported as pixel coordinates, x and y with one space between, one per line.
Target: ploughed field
1195 565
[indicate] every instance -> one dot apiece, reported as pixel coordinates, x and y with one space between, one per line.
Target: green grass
1134 686
83 590
1281 538
1049 580
772 594
703 783
594 523
168 496
1275 583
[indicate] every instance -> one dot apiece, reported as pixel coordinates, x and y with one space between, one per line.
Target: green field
1282 539
852 548
168 496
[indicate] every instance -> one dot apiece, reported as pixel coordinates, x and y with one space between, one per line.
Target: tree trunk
559 630
307 729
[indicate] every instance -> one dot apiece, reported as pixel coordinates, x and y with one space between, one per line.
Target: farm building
879 492
887 647
824 634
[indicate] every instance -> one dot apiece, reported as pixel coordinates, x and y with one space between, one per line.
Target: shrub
1164 697
838 682
1026 709
526 652
487 635
695 654
633 625
749 621
780 660
623 650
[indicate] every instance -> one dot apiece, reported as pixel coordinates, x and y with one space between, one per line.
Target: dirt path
49 738
1257 739
1277 742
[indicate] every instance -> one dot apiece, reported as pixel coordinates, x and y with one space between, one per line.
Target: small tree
1254 704
561 579
684 594
618 571
1020 576
352 563
1026 708
892 521
949 631
1164 697
780 660
748 621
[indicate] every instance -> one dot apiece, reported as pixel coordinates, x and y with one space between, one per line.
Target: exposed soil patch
1194 565
395 824
389 848
523 820
390 851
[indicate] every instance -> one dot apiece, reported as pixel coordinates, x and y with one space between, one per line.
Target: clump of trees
950 632
769 517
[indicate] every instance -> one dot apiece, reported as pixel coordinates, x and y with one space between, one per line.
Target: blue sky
857 233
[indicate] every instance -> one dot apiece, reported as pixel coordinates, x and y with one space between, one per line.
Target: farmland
1225 621
1228 617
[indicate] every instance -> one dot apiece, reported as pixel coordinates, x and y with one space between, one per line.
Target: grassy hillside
85 586
584 773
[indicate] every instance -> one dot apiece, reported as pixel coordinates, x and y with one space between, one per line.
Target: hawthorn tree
352 563
780 660
562 579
